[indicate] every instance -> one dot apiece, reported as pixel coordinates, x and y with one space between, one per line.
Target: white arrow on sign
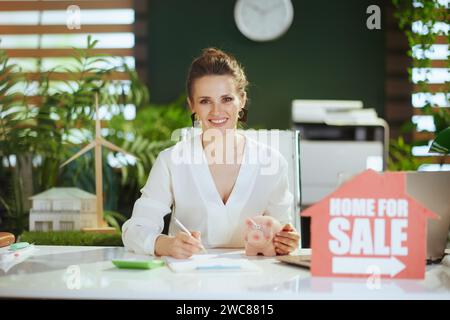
346 265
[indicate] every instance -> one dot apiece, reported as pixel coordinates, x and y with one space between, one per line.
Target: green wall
328 53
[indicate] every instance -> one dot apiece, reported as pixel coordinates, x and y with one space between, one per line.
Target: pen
182 227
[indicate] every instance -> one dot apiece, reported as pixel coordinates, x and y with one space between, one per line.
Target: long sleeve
281 198
146 223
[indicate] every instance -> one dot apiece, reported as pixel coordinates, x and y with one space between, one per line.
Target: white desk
47 275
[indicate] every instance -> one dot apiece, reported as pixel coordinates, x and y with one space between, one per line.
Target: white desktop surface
45 275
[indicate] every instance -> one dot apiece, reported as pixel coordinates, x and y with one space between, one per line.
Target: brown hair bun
214 61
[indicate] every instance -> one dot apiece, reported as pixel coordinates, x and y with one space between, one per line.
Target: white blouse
180 177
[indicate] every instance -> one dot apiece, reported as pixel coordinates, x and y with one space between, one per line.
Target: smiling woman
214 79
215 191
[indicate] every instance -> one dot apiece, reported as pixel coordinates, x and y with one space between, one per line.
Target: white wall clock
263 20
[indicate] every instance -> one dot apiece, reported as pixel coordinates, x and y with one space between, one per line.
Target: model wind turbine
98 142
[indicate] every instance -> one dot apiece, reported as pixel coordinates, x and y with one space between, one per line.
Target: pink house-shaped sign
370 225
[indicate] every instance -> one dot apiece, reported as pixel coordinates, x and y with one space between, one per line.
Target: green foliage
15 137
442 142
400 156
149 133
71 238
60 123
114 219
69 111
428 12
49 129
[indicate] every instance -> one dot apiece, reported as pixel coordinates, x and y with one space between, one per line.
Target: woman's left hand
287 240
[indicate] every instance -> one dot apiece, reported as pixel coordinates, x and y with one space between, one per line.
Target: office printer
338 139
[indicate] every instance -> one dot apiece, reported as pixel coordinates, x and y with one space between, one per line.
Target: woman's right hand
181 246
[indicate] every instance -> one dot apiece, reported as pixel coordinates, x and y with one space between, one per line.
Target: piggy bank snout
257 237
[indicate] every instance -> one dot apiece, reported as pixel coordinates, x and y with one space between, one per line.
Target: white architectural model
63 209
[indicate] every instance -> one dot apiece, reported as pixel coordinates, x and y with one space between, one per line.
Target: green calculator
138 264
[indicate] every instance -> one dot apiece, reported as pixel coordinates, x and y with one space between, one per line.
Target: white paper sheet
211 263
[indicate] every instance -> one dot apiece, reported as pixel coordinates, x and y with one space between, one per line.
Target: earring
195 122
242 115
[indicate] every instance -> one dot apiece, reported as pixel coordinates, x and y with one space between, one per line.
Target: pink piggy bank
259 235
